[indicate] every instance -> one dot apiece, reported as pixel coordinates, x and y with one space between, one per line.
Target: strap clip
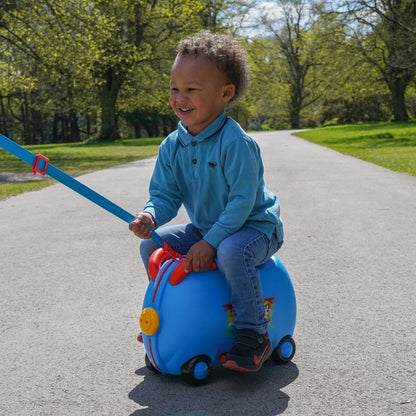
36 169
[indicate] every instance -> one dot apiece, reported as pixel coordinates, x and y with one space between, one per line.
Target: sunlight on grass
391 144
80 158
75 159
11 189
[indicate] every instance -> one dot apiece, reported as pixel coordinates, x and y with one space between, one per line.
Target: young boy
212 167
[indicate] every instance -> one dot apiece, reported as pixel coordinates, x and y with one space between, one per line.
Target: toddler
212 167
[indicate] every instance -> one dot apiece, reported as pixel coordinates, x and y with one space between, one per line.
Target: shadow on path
226 393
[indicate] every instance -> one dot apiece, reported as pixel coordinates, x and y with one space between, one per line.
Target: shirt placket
194 158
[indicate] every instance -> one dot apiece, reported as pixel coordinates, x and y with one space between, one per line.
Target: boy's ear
228 92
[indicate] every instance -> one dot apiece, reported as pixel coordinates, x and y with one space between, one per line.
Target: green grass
9 189
76 158
390 144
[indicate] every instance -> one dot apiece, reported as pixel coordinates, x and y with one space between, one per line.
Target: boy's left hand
201 255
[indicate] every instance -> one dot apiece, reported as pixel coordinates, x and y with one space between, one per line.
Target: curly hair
226 52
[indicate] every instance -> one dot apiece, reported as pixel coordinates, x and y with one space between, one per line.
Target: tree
296 50
385 34
86 50
45 62
269 93
349 88
144 94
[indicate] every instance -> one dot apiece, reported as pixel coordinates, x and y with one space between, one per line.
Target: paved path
16 177
71 293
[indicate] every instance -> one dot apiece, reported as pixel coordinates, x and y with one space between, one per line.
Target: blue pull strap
40 164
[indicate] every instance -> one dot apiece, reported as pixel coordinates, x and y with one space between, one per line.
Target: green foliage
385 36
389 144
268 93
10 189
77 158
75 55
99 68
83 157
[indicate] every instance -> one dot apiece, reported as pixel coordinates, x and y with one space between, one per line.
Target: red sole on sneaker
232 365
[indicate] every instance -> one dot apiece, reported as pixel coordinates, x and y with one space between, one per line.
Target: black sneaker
249 351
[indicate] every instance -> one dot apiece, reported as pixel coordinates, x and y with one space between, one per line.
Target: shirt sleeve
165 198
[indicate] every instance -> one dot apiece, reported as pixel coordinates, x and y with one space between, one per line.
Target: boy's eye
175 90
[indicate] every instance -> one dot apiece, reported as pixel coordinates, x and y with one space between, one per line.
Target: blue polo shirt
218 176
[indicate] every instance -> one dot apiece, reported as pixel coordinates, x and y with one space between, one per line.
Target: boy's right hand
138 227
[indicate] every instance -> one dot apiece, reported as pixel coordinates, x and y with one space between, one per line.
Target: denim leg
238 257
180 237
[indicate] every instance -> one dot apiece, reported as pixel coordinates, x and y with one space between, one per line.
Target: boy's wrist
152 218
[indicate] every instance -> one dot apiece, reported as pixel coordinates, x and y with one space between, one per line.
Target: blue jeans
238 257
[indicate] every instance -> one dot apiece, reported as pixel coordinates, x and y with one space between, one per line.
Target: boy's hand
201 255
138 227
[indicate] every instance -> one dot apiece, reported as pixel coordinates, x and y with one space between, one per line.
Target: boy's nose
180 97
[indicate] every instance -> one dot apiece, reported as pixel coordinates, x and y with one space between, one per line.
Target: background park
86 82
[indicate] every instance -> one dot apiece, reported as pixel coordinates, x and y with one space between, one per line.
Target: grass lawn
76 158
390 144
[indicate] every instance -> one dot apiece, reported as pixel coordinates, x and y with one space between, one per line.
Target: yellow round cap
149 321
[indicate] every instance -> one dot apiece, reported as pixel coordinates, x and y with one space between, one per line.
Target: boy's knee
228 256
147 247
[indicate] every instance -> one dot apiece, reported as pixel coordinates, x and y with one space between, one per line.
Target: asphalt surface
72 288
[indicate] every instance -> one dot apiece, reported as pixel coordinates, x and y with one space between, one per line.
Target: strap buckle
36 169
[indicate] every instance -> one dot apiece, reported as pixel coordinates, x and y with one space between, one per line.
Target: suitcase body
187 322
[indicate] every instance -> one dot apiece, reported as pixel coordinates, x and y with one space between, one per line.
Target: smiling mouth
185 110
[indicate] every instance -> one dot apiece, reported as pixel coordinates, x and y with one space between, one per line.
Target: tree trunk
295 104
137 130
397 88
55 128
74 128
37 126
88 121
3 118
108 93
28 136
294 120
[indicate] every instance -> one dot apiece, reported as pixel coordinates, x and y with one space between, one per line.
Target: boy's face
199 92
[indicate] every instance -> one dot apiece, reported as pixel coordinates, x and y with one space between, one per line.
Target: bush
349 110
